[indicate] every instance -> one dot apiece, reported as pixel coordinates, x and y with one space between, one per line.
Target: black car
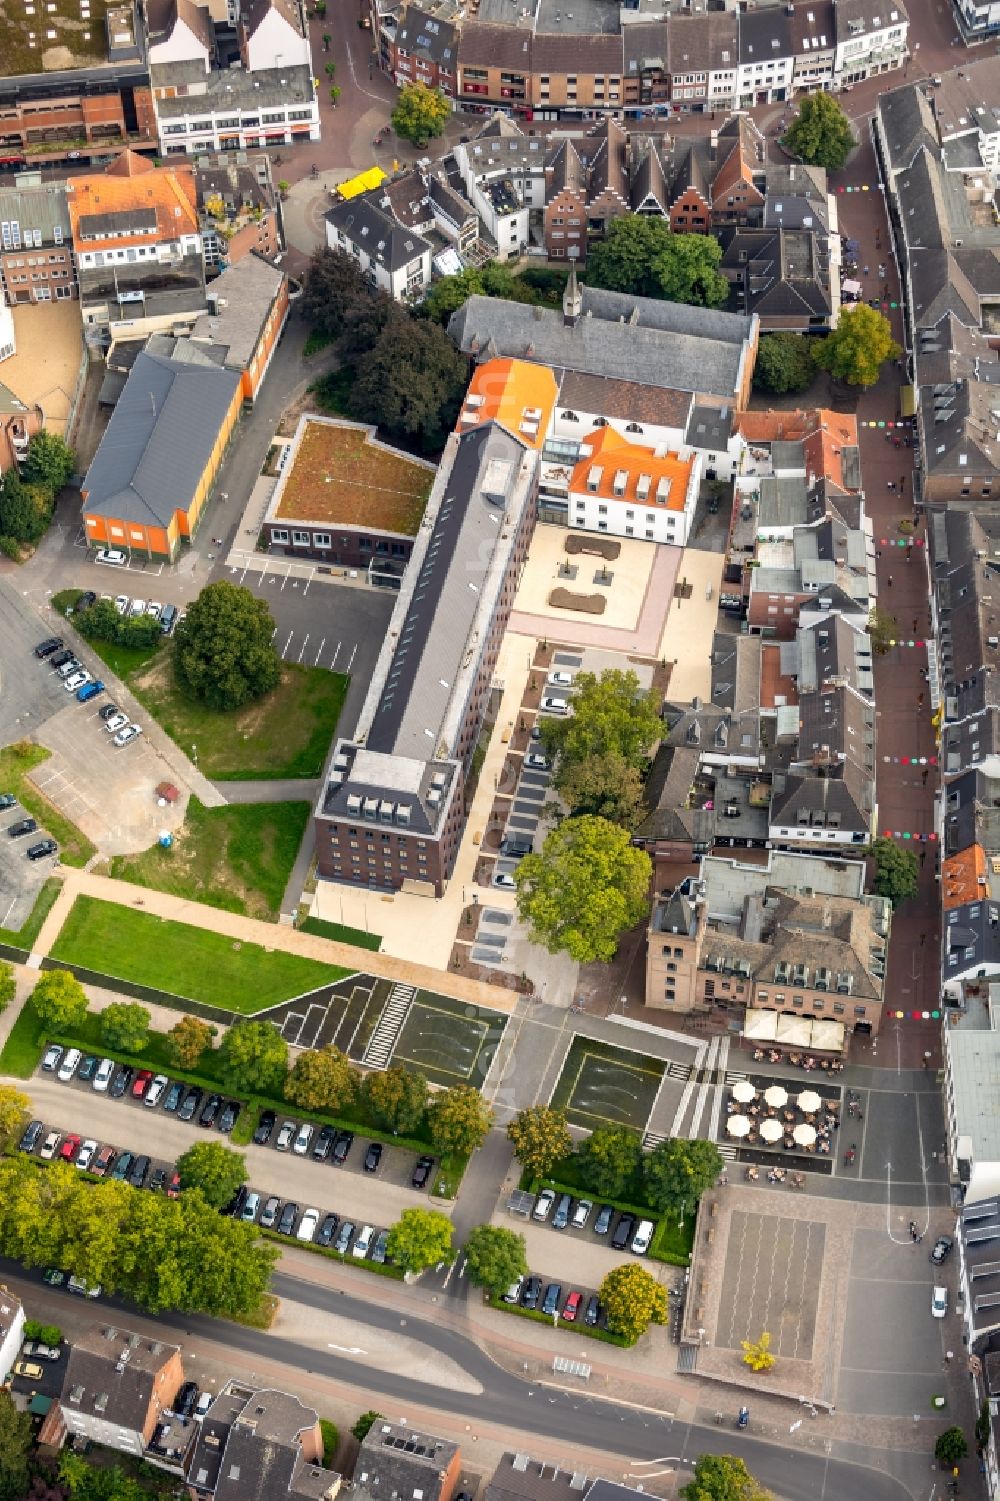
191 1102
373 1156
121 1081
592 1312
108 712
41 849
531 1292
623 1232
230 1113
422 1172
323 1143
210 1110
561 1217
88 1068
185 1399
47 647
23 826
29 1140
341 1147
265 1126
158 1179
553 1297
235 1205
138 1171
172 1098
380 1247
286 1222
327 1230
7 800
87 598
605 1215
941 1249
61 659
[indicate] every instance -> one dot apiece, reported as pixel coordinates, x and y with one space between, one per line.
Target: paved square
771 1278
603 1085
448 1040
891 1363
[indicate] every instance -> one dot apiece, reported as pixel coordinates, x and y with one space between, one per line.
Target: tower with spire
572 301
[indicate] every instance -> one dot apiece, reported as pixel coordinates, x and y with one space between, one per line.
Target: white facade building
395 260
11 1331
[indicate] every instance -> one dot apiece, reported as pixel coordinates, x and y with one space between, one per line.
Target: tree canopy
722 1477
213 1168
420 1238
223 651
49 462
820 135
612 716
859 346
632 1300
322 1079
641 255
606 786
609 1160
187 1040
951 1446
397 1098
586 886
678 1171
411 384
15 1445
25 510
58 1000
757 1353
125 1027
458 1119
495 1258
540 1138
14 1108
785 364
253 1058
896 871
8 984
420 113
883 629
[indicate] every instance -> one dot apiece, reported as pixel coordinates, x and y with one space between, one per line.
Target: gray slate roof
111 1372
43 208
242 298
159 440
369 223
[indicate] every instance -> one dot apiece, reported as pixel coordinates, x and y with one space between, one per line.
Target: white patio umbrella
776 1096
738 1125
744 1091
771 1130
805 1134
808 1101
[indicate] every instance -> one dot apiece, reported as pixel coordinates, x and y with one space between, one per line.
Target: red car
143 1079
572 1307
172 1187
69 1149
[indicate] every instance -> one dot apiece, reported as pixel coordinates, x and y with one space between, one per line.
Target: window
321 539
279 534
300 539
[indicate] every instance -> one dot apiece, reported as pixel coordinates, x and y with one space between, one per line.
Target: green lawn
190 963
124 660
286 734
24 937
238 858
15 763
340 933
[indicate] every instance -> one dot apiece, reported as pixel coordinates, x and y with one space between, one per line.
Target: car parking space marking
8 912
533 794
353 655
528 825
315 1023
288 643
312 575
302 650
319 651
496 915
335 656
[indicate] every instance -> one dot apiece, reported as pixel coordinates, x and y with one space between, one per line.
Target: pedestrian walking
878 552
902 487
890 484
888 582
920 700
866 270
923 777
914 625
923 857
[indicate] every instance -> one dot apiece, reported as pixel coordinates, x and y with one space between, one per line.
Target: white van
642 1237
69 1065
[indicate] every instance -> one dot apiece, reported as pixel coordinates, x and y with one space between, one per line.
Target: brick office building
36 255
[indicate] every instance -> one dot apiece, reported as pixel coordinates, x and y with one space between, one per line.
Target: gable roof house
118 1390
738 159
397 260
179 31
259 1445
782 275
272 30
398 1463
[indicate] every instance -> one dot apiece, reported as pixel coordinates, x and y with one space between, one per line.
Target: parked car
341 1147
303 1137
22 827
251 1207
87 598
47 647
29 1369
68 668
234 1209
86 1154
939 1302
84 1289
153 609
158 1180
103 1162
172 1098
120 1170
137 608
121 1081
154 1093
60 659
642 1237
173 1186
7 800
228 1117
122 603
128 734
35 1350
344 1235
189 1105
553 704
531 1292
112 556
624 1231
141 1083
941 1249
203 1403
70 1146
50 1062
286 1223
43 848
307 1225
571 1307
504 880
286 1136
108 711
592 1312
323 1144
69 1065
76 680
117 722
88 1068
138 1170
516 846
328 1229
363 1242
581 1214
265 1126
543 1204
210 1110
89 691
373 1157
553 1294
513 1292
536 761
380 1248
102 1075
29 1140
422 1172
168 619
560 679
561 1217
269 1213
185 1399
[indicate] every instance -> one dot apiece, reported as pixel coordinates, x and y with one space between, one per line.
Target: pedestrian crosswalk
390 1024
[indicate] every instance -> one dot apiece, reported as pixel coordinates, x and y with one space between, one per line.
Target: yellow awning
363 183
907 401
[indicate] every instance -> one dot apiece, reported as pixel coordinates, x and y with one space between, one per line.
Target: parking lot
20 878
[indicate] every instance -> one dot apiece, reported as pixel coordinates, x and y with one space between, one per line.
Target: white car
86 1154
102 1077
68 668
128 733
553 704
155 1090
536 761
52 1056
560 679
304 1136
115 723
76 681
307 1225
69 1065
543 1204
137 607
153 609
364 1240
939 1299
642 1237
204 1402
504 879
251 1205
122 603
112 555
48 1149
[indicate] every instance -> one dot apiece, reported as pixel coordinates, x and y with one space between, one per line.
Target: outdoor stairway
678 1070
390 1024
652 1139
687 1359
726 1151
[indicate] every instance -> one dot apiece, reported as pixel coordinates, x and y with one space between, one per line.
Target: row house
179 31
814 46
766 58
871 39
647 72
586 186
703 60
502 172
783 275
395 260
61 116
271 29
238 210
423 49
977 19
36 245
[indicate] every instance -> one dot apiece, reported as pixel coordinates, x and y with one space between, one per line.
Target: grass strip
15 763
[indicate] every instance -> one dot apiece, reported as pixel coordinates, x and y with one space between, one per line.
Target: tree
883 629
757 1353
722 1477
632 1299
125 1027
896 871
8 984
331 1438
15 1444
397 1098
284 186
19 517
605 786
213 1168
187 1040
495 1258
363 1426
584 889
223 653
609 1160
333 283
420 113
449 293
411 383
322 1079
14 1108
820 134
49 462
540 1138
253 1058
59 1001
951 1447
334 94
640 255
784 364
612 717
420 1238
859 346
458 1119
677 1172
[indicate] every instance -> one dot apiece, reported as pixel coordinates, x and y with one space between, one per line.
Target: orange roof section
963 877
517 394
825 444
774 684
615 467
170 190
130 164
774 427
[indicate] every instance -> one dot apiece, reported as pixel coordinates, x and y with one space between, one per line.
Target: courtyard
604 1085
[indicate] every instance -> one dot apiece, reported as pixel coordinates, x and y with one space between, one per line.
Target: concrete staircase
390 1024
